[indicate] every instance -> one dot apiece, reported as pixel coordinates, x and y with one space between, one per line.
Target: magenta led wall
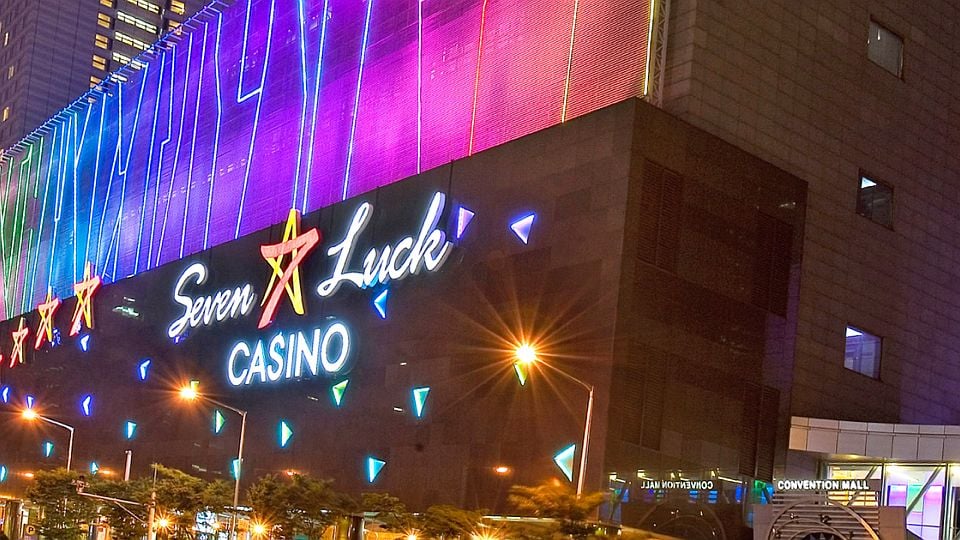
273 104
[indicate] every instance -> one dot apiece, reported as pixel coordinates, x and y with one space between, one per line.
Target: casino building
345 219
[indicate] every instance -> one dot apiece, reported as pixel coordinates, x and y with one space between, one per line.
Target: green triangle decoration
218 421
285 434
338 390
521 373
564 460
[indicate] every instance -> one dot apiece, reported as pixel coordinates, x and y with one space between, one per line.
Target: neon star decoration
46 311
83 313
19 336
298 246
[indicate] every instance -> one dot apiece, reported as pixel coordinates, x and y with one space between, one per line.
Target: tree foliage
298 505
65 514
442 521
558 501
391 512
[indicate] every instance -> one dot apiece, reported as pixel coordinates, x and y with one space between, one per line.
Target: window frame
879 360
903 46
864 174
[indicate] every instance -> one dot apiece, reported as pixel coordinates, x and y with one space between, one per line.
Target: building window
875 201
862 352
131 41
134 21
10 71
94 81
104 20
102 41
177 7
143 4
108 3
99 62
6 114
885 48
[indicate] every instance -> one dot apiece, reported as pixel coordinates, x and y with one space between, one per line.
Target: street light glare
188 393
30 414
163 523
259 529
526 354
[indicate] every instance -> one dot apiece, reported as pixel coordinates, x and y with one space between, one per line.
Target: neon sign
290 356
408 256
19 336
83 313
298 246
46 311
225 304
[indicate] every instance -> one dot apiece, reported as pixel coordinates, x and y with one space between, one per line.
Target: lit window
130 40
124 59
144 4
875 201
862 352
10 71
885 49
94 81
6 38
99 62
171 24
102 41
177 7
104 20
6 113
131 20
108 3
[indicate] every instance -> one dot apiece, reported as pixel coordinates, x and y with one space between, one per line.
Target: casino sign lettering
326 348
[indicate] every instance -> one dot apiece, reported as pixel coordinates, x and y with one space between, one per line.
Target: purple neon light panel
273 104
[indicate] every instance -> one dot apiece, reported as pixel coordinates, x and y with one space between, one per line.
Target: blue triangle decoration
5 394
131 429
564 460
419 400
285 434
30 402
47 449
144 369
85 405
522 226
374 466
463 219
85 342
380 303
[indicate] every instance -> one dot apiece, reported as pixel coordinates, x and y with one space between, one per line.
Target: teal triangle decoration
564 460
338 391
235 468
218 421
47 449
131 429
3 473
419 400
285 434
374 466
94 467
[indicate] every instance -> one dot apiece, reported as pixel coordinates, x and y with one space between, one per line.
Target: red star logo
46 310
83 313
286 279
19 336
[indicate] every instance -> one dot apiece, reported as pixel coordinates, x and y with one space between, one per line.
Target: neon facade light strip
256 108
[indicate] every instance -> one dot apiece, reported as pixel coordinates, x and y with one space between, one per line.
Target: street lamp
526 355
31 415
190 393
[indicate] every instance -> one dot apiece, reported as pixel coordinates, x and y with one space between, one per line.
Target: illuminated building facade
52 52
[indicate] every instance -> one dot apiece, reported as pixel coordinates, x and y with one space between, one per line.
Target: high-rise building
52 52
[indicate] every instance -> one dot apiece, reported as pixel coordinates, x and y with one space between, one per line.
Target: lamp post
527 355
31 415
190 393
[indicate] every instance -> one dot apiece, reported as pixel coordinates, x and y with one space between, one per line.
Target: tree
299 506
64 514
441 521
391 512
558 501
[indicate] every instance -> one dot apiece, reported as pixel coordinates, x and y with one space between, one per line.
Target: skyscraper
52 52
